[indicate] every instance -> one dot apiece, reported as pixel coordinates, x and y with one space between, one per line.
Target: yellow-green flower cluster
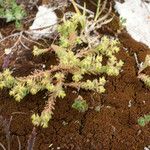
145 78
41 120
92 63
95 85
73 59
70 26
32 85
67 58
113 66
19 92
6 79
38 51
65 30
107 46
77 76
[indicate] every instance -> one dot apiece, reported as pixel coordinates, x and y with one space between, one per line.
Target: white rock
137 15
146 148
44 24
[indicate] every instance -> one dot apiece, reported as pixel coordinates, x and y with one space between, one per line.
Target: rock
137 15
45 23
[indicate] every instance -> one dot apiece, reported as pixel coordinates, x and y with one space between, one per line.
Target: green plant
142 121
10 10
122 24
80 104
142 76
73 59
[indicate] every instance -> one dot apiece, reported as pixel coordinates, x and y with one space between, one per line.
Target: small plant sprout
11 11
38 51
142 121
72 59
80 104
122 23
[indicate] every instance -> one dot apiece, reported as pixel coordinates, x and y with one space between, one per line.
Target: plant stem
3 147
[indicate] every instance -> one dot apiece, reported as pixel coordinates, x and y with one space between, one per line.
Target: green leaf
18 13
9 15
2 13
141 121
80 104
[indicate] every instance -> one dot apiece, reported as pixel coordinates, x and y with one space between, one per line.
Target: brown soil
114 127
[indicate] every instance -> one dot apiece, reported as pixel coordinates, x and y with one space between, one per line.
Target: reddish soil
114 127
